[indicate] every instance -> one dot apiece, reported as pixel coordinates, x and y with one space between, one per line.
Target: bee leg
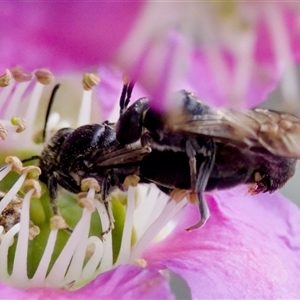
52 187
104 195
65 182
198 183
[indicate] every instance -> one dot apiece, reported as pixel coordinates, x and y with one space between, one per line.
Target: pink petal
124 282
250 248
61 36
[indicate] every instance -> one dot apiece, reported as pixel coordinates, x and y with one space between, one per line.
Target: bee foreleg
66 182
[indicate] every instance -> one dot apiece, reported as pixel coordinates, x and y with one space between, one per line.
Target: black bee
200 148
89 151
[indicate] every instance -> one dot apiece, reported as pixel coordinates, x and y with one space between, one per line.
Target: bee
89 151
201 148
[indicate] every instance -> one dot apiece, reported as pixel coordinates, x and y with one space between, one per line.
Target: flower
234 62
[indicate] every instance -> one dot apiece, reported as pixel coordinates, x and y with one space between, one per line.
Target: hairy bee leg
53 181
52 187
110 216
104 195
201 182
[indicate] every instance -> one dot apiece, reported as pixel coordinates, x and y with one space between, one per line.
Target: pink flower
229 54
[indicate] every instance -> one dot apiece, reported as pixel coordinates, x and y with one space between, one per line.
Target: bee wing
118 156
279 133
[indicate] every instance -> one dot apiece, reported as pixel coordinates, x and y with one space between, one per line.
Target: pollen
87 203
90 80
3 132
14 163
20 122
20 75
57 222
32 184
90 183
44 76
5 79
131 180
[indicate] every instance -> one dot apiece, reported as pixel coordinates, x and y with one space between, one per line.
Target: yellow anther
87 203
33 231
3 132
179 194
131 180
141 262
17 165
57 222
30 184
90 80
44 76
32 172
90 183
20 122
19 75
5 79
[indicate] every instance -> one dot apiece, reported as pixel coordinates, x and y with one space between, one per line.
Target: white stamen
91 266
4 246
5 92
127 230
40 274
12 192
107 259
56 275
5 171
170 210
33 105
85 108
19 273
15 100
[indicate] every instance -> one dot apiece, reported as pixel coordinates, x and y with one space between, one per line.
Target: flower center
69 249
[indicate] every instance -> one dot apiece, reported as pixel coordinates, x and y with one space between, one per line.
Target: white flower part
85 108
107 259
169 210
127 230
12 192
6 242
19 273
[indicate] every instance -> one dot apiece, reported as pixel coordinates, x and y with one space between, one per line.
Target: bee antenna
126 93
123 97
129 92
48 109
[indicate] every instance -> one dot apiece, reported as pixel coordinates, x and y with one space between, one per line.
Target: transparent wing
277 132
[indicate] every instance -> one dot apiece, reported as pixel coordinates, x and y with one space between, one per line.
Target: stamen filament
56 275
85 108
107 259
19 272
33 105
91 266
12 192
5 171
5 244
14 102
39 277
125 248
170 210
